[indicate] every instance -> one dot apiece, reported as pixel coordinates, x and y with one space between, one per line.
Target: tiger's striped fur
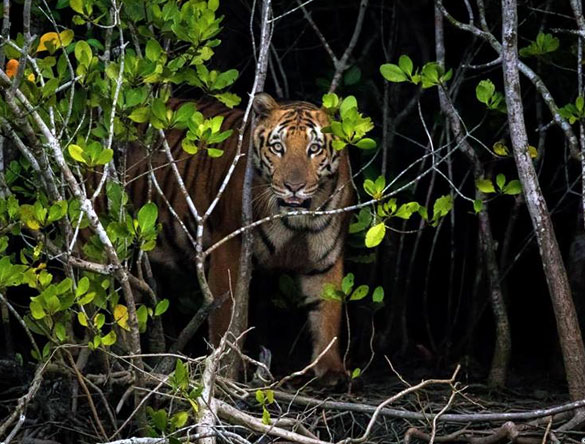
296 167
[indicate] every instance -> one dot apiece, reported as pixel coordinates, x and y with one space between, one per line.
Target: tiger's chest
290 247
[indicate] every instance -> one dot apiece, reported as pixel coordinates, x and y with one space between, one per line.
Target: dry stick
239 321
554 268
341 65
525 69
578 12
87 394
234 415
418 416
441 412
19 411
394 398
307 368
503 347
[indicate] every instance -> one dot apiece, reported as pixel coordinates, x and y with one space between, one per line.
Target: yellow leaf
12 67
52 37
194 405
532 151
57 40
31 77
500 149
121 316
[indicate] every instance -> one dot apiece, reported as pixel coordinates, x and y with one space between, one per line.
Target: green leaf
57 211
76 153
378 295
153 50
99 320
225 79
375 235
347 104
579 103
109 339
161 307
366 144
181 375
37 310
500 181
269 396
330 101
347 283
147 216
393 73
82 319
159 109
60 331
179 419
330 293
77 6
185 112
477 205
260 397
212 5
405 64
189 146
104 157
228 99
140 115
430 75
338 144
359 293
83 53
352 75
406 210
485 186
265 416
356 373
513 188
214 152
484 91
442 206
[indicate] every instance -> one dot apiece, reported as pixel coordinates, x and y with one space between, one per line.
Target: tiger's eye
315 148
277 148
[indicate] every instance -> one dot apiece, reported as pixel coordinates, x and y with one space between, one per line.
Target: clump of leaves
431 74
375 221
347 292
511 188
544 44
574 112
347 123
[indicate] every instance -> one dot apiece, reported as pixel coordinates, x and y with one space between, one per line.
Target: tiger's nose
294 186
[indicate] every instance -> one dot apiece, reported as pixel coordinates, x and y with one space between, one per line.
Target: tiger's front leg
325 322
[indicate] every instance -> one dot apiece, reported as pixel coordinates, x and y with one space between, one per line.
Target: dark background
436 311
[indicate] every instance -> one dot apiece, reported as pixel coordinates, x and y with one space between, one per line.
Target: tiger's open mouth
294 202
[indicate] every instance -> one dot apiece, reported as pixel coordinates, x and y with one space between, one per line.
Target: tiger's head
292 155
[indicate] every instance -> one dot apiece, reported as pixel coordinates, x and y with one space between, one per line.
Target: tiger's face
291 153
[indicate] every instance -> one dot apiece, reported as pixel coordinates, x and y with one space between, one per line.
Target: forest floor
378 408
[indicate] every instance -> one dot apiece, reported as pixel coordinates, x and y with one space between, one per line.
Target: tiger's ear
264 104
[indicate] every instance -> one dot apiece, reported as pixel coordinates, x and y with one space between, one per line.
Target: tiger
295 167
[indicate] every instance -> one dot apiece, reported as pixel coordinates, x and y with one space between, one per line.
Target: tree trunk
567 324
